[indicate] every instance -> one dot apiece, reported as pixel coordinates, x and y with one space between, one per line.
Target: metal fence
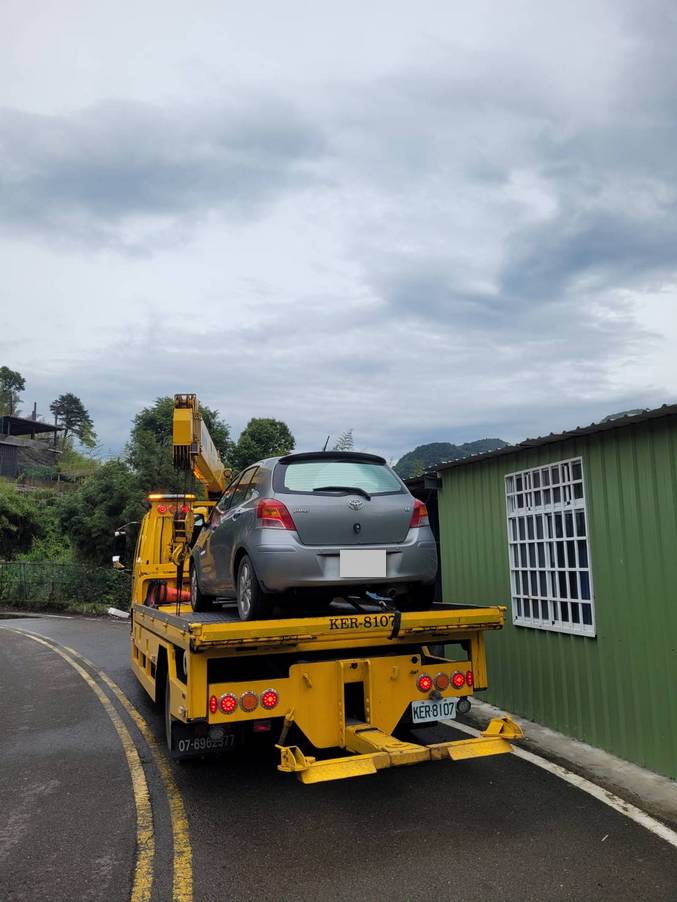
45 584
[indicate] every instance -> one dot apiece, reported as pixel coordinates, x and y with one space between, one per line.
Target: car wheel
198 600
252 601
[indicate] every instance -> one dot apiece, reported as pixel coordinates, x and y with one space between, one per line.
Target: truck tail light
419 516
228 703
458 679
213 704
442 681
269 699
249 701
424 683
273 514
469 678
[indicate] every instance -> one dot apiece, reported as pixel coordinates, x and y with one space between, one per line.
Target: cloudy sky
427 222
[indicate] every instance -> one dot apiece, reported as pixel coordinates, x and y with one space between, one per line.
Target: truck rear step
374 750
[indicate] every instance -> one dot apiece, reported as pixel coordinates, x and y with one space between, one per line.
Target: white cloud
429 223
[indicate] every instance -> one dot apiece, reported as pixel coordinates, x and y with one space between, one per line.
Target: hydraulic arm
194 450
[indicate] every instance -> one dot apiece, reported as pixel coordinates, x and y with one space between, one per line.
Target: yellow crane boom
194 449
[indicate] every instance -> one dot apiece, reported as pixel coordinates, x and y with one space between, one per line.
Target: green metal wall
617 691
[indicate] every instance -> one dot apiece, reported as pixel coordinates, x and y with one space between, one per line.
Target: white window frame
549 548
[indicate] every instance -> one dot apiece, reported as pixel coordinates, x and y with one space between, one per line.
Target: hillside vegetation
427 457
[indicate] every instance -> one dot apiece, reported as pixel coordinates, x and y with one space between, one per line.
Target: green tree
345 441
72 415
50 544
262 437
149 451
90 515
20 522
11 384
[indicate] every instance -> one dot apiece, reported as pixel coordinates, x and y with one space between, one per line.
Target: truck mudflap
373 750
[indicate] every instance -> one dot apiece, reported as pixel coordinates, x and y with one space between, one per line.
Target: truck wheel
198 600
252 601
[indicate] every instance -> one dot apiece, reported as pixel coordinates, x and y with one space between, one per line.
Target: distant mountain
427 457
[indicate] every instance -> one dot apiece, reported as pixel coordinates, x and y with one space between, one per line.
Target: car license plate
427 711
362 563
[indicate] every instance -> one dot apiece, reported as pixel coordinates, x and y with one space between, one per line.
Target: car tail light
162 508
469 678
442 681
249 701
269 699
424 683
458 679
228 703
213 704
419 515
273 514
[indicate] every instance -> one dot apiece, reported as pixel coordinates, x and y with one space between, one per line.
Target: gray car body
287 559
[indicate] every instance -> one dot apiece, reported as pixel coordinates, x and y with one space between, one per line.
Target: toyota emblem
355 504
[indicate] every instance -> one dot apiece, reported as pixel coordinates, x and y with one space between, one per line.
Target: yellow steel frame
374 750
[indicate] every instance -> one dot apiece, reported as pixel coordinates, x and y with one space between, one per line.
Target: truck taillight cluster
443 680
249 701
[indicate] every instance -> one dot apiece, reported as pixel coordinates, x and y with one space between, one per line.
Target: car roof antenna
327 442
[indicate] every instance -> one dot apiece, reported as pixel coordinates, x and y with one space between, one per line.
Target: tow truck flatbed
346 680
342 627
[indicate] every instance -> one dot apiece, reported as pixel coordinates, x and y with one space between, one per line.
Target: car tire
198 600
252 602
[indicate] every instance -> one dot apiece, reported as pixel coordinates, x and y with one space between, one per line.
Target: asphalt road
488 829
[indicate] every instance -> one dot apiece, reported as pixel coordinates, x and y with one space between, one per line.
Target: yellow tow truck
338 693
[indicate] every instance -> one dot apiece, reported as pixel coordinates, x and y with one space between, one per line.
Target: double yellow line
142 885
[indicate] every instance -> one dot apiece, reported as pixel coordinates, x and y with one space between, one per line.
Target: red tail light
469 678
228 703
213 704
162 508
458 679
442 681
419 515
424 683
269 699
273 514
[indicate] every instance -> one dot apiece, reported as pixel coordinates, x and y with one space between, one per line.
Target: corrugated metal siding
617 691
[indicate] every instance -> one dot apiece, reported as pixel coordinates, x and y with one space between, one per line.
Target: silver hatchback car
314 527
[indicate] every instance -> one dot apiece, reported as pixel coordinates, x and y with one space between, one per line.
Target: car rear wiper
343 488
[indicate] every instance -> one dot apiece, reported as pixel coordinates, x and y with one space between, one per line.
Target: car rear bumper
283 563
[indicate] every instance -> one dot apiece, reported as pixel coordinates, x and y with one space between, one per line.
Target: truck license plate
362 563
425 712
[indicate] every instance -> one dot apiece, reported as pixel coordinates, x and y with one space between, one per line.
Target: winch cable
385 604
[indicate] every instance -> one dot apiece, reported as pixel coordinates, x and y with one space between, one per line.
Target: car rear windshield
308 475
